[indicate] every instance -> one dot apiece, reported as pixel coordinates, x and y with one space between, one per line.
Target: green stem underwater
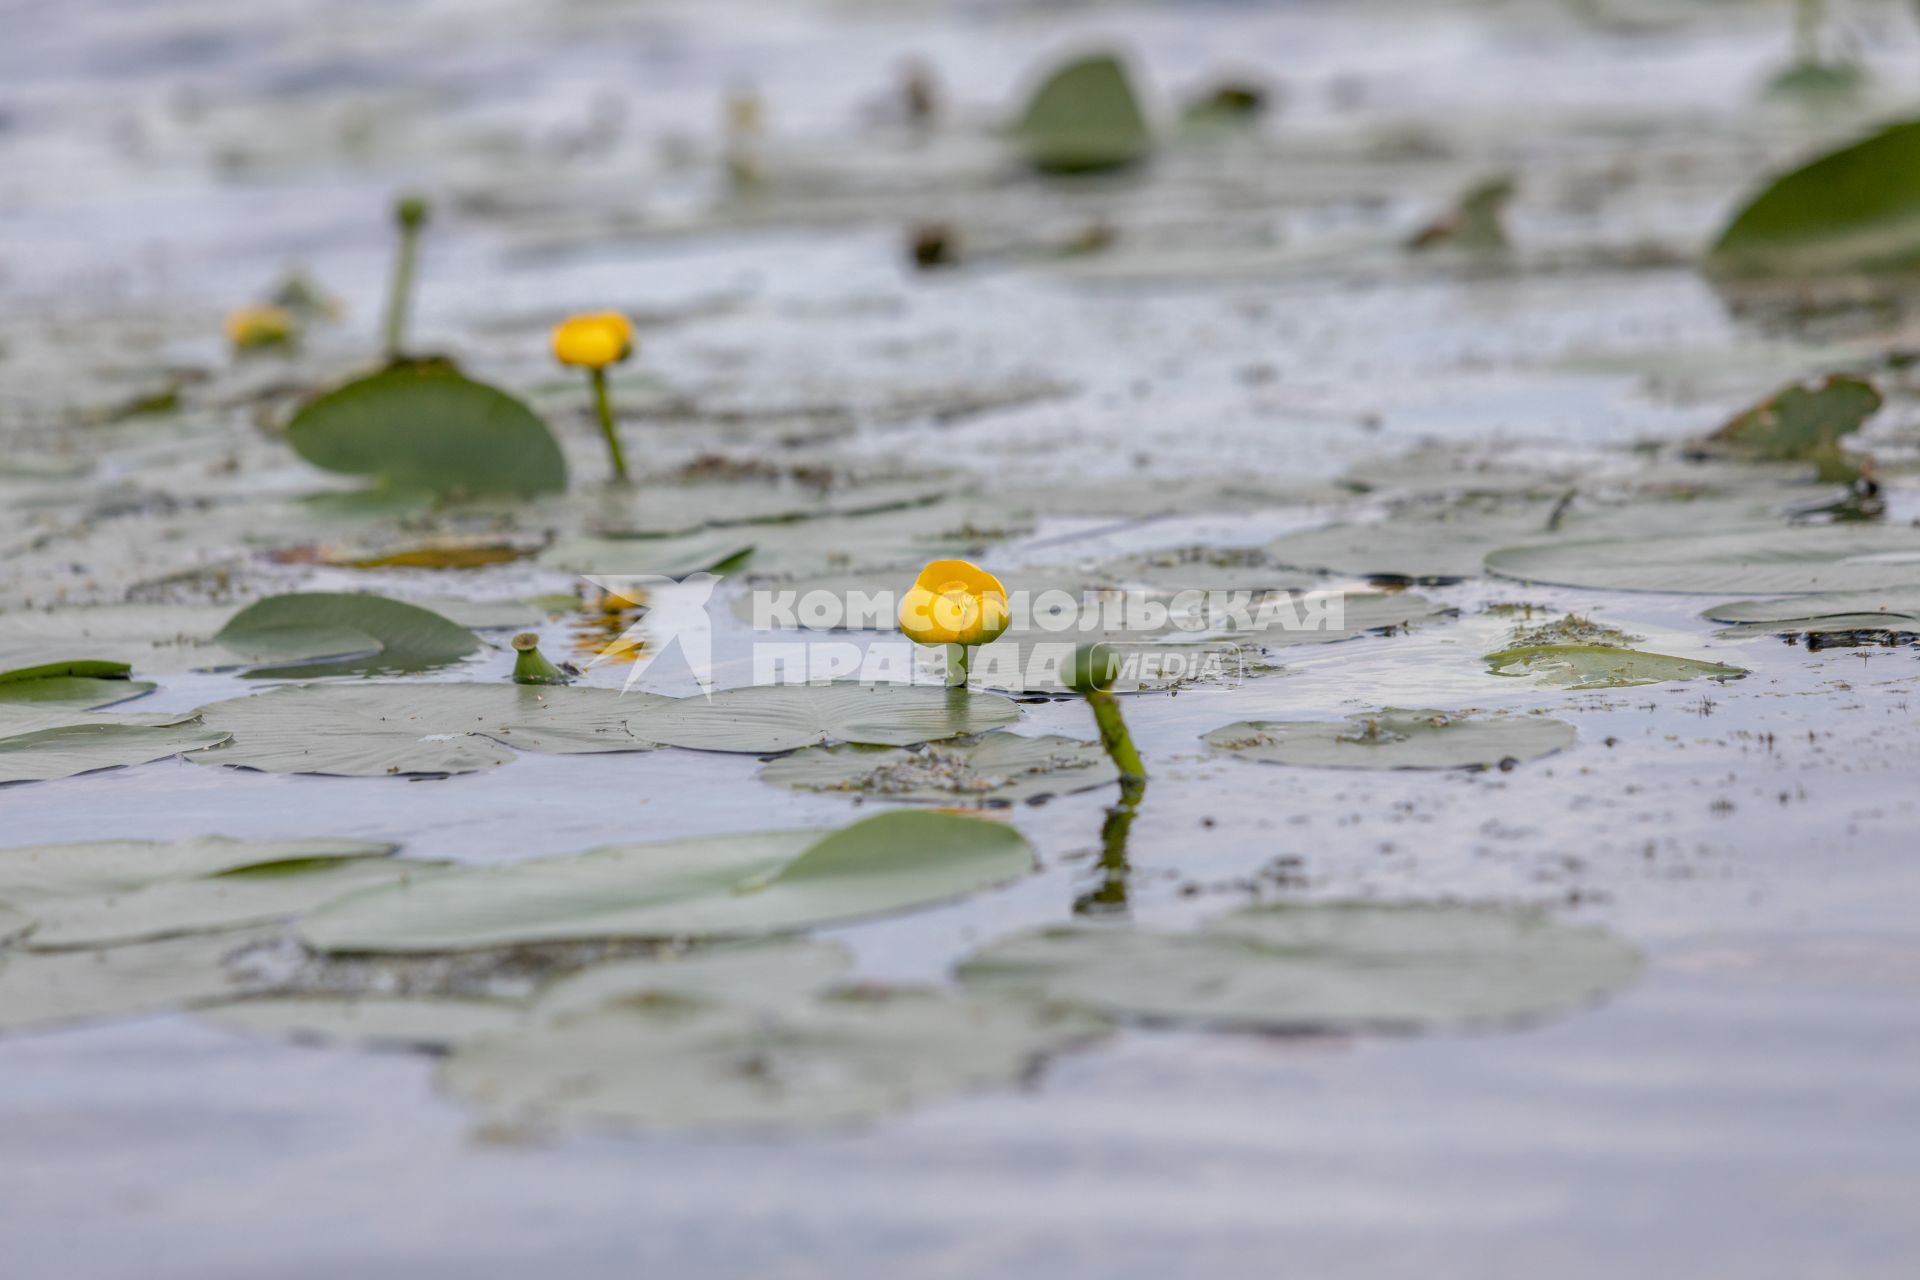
603 406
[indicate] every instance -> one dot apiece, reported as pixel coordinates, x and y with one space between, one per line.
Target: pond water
1749 1106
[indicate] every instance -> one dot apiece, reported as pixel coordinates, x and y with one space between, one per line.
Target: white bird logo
676 613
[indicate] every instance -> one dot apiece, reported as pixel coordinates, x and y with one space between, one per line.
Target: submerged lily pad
1337 966
1083 118
756 975
1854 209
1396 739
390 636
769 718
425 426
410 1022
836 1060
1754 558
710 886
1597 666
381 729
996 769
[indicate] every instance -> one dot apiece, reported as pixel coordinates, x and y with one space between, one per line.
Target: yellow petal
954 602
593 341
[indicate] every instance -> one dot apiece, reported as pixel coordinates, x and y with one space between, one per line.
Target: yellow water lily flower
954 602
257 328
593 341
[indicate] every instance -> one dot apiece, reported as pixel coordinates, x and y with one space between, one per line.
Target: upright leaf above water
425 426
1801 422
392 636
1853 209
1084 118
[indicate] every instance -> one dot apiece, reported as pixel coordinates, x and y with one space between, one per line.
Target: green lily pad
1326 967
382 729
40 989
1802 421
391 636
1084 118
77 685
61 751
98 868
1396 739
1598 666
402 1022
1854 209
838 1060
767 718
771 974
231 900
1891 609
995 769
425 426
1754 558
1427 549
12 924
710 886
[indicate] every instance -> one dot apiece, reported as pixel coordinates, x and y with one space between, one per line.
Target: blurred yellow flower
954 602
593 341
257 328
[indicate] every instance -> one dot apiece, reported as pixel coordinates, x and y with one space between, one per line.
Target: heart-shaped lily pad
390 637
1337 966
836 1060
33 751
1597 666
1396 739
709 886
995 769
1854 209
425 426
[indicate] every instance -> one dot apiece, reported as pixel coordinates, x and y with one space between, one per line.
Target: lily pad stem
1117 741
603 405
958 657
411 214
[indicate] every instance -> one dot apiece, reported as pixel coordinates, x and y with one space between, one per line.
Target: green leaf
1084 118
1596 666
393 728
1889 610
1754 558
1853 209
426 426
768 718
104 867
40 989
1802 422
394 637
837 1060
75 685
710 886
996 769
1333 967
757 975
62 751
1396 739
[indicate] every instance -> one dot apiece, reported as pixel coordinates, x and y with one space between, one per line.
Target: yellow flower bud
593 341
257 328
954 602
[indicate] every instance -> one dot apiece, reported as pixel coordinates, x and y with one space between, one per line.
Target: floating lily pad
96 868
1754 558
381 729
231 900
1336 967
1084 118
1396 739
769 718
12 924
758 975
77 686
996 769
390 637
40 754
50 988
1802 422
425 426
1596 666
837 1060
1854 209
1891 609
710 886
1427 549
406 1022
